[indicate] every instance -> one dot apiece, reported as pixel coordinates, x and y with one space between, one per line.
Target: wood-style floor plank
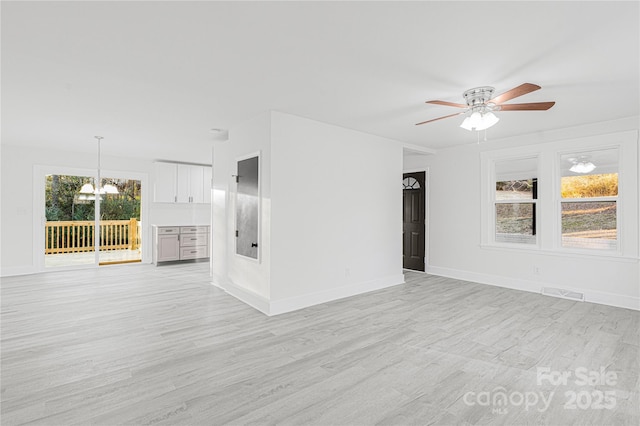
140 344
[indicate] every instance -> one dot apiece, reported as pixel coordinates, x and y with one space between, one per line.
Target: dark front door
413 230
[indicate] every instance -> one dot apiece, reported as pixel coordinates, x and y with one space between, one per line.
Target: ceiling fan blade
445 103
534 106
523 89
440 118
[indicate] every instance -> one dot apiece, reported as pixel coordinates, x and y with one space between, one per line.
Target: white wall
331 213
336 212
455 227
414 161
19 212
245 278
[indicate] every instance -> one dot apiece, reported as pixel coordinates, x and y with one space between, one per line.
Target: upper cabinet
182 183
208 180
190 184
166 181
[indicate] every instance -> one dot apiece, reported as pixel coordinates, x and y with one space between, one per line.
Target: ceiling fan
481 104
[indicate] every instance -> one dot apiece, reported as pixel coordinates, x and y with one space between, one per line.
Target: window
579 197
515 198
589 199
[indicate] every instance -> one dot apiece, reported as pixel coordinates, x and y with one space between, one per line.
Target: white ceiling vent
564 294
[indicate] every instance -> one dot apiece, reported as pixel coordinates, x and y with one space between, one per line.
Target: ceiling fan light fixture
481 103
472 122
479 121
475 120
488 120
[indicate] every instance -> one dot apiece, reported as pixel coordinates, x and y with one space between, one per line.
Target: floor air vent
565 294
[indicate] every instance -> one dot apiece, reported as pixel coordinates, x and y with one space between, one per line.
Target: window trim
549 230
489 237
559 200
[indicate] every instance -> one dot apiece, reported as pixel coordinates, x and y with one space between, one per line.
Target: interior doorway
413 221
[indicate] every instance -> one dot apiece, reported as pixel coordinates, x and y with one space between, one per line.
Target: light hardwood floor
141 344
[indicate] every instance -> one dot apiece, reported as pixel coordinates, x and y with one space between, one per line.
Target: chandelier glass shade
87 188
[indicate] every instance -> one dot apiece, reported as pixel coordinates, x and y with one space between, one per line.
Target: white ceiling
154 77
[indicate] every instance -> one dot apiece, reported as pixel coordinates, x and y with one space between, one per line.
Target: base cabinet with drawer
173 243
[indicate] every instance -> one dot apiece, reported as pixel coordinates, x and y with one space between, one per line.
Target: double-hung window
578 197
589 199
515 199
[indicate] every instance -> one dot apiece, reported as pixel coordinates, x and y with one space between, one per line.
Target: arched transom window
410 183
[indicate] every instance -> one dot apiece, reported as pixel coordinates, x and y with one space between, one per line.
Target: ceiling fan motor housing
478 96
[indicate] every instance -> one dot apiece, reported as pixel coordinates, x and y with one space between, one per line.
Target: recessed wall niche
248 207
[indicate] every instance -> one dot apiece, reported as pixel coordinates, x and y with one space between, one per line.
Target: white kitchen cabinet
173 243
196 184
194 242
183 194
182 183
190 184
207 177
166 179
167 244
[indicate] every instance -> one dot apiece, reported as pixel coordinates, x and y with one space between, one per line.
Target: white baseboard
304 301
31 270
290 304
19 270
592 296
612 299
252 299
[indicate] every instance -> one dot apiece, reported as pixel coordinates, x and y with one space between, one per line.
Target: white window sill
578 254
